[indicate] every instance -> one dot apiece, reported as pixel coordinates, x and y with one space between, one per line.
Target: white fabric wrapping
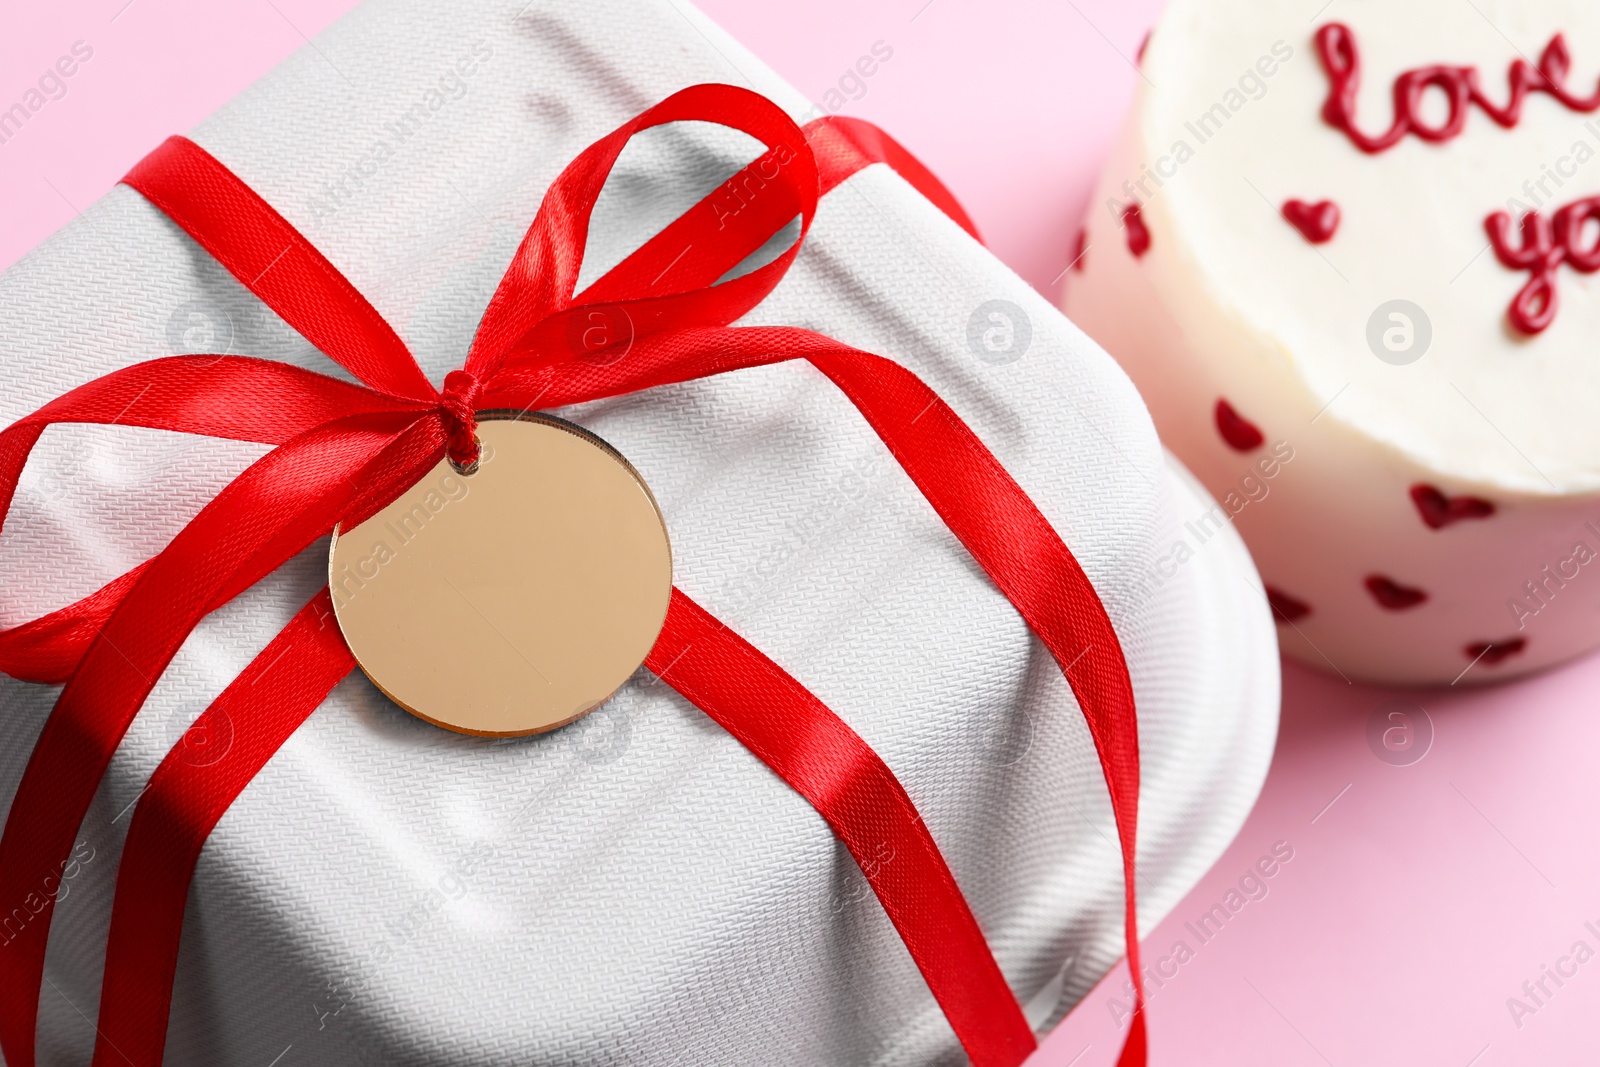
638 888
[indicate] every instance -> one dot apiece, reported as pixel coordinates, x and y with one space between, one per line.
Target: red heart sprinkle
1492 652
1392 595
1439 511
1286 606
1138 232
1240 433
1316 222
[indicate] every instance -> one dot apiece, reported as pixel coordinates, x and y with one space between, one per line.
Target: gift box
637 887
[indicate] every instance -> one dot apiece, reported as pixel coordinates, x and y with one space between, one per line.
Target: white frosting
1231 302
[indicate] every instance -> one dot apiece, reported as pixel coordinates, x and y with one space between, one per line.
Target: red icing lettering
1336 47
1240 433
1138 232
1286 606
1492 652
1439 511
1545 244
1393 596
1316 222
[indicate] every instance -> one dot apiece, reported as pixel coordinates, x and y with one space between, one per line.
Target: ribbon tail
828 763
188 794
287 499
1021 552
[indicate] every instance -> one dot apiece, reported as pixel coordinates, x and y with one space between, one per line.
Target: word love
1336 46
1546 244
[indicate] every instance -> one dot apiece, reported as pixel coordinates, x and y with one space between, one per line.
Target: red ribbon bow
344 451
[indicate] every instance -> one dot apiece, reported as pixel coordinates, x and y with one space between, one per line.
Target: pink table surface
1420 897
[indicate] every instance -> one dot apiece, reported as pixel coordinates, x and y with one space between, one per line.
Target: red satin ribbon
345 451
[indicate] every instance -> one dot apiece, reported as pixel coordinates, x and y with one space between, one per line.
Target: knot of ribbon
343 451
459 402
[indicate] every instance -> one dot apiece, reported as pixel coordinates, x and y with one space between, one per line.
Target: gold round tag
517 598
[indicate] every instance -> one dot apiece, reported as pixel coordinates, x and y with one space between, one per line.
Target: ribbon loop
666 284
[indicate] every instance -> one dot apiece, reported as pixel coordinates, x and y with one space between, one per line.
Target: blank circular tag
515 599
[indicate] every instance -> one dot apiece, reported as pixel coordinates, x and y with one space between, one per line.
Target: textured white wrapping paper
636 889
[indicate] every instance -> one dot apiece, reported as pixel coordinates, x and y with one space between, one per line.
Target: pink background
1419 897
